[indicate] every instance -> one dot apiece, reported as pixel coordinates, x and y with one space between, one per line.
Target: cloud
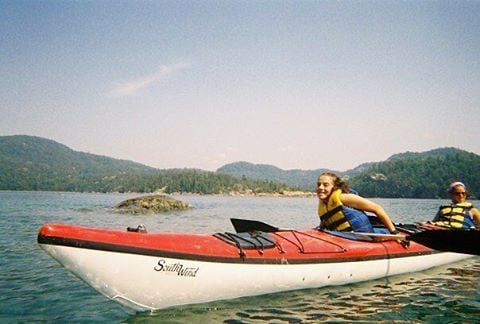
133 87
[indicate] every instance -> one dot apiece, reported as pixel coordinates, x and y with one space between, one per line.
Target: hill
420 175
303 179
403 175
295 178
436 153
34 163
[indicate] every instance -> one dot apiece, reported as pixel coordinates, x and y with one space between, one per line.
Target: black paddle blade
245 225
458 241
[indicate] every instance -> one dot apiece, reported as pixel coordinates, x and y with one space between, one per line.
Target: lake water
35 288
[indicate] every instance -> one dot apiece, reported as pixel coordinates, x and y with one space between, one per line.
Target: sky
200 84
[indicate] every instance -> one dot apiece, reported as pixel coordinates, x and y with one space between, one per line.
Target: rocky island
151 204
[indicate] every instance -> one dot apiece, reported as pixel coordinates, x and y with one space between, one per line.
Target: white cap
454 184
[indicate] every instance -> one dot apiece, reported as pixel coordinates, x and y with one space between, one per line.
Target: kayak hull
146 272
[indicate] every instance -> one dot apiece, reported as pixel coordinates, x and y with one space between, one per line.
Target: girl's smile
324 187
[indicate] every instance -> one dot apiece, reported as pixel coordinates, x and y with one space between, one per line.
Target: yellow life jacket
331 214
455 215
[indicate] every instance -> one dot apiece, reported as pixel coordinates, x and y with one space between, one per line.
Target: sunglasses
459 193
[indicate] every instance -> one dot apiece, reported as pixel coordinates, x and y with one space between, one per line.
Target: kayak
150 271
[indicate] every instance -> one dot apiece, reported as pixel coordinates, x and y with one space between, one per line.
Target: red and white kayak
149 271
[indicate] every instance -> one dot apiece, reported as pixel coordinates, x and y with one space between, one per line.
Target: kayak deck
292 246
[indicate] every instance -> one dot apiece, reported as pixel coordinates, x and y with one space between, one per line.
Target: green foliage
420 175
408 175
33 163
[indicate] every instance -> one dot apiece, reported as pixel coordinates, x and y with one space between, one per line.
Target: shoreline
283 194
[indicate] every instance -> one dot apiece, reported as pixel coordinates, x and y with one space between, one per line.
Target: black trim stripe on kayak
118 248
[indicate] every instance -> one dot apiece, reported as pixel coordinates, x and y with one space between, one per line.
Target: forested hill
296 178
407 175
421 175
303 179
34 163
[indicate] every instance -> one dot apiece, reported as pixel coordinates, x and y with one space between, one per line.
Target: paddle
458 241
246 225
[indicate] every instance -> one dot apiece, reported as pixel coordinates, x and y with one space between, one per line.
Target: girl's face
324 187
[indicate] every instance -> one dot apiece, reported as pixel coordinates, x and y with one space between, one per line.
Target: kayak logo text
177 268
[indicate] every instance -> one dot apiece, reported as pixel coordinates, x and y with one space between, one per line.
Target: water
35 288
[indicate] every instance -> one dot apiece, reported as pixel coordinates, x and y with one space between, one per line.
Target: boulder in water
151 204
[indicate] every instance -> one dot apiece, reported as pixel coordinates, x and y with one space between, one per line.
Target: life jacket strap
339 222
331 212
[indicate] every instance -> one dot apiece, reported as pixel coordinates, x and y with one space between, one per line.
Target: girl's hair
455 184
338 183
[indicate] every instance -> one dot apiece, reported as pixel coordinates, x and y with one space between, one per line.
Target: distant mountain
35 163
302 179
420 175
409 174
32 150
294 178
440 152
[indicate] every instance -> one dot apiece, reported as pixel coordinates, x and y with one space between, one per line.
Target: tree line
33 163
178 181
420 177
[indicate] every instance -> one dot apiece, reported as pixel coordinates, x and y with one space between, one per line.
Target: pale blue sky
198 84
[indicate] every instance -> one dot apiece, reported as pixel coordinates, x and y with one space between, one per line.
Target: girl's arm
475 215
366 205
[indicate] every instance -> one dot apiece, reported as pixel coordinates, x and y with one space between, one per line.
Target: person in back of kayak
340 210
458 213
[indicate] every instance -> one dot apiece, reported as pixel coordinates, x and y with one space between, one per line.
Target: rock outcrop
151 204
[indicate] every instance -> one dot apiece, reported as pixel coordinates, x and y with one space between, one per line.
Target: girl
340 210
458 213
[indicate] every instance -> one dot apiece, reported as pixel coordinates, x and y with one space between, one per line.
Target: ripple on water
34 288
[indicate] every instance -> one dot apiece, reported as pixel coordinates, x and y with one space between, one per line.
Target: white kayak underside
148 282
